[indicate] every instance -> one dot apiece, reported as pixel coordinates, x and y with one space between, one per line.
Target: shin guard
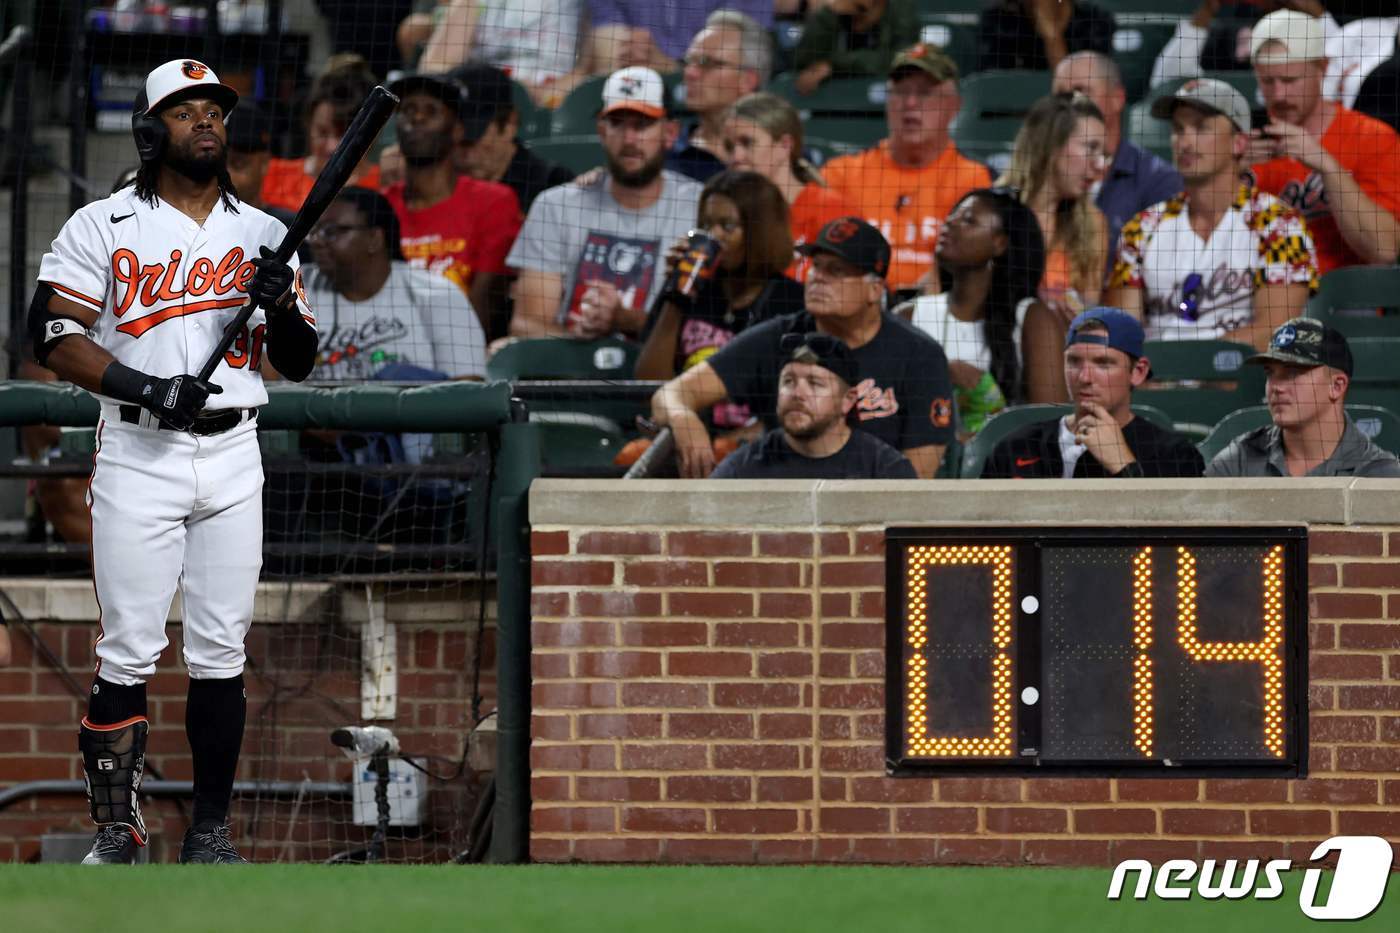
113 759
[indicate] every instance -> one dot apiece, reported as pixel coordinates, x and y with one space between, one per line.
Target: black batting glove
177 400
271 282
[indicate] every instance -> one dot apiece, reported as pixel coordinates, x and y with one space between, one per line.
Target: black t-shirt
905 394
527 175
692 161
1379 96
1034 453
712 322
863 456
1007 39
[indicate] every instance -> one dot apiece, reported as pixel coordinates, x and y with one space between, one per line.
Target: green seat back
1375 378
534 120
544 358
1360 301
1154 135
1173 9
847 113
1135 48
1003 424
955 34
576 153
1381 425
1198 382
584 447
994 104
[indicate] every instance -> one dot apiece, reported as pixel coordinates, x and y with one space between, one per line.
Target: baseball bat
363 130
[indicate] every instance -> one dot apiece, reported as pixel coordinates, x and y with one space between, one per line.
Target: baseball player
131 300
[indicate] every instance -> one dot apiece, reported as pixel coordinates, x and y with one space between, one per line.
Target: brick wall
690 707
303 680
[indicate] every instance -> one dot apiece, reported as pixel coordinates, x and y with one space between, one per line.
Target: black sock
214 718
110 703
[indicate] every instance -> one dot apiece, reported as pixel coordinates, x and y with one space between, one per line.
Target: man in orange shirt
909 183
1340 169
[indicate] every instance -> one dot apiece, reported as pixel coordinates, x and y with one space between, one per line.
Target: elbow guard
46 329
291 344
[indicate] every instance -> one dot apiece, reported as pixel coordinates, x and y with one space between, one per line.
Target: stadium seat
545 358
1135 48
1375 378
1198 382
576 153
1164 9
577 115
1381 425
1003 424
577 444
849 113
1360 301
534 120
994 103
955 34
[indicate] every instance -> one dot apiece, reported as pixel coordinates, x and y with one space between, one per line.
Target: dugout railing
441 409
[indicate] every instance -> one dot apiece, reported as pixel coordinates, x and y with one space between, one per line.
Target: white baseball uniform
170 508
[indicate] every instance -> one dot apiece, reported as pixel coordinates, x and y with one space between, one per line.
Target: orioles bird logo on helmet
194 70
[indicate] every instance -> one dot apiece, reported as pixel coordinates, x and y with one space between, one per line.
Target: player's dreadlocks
149 172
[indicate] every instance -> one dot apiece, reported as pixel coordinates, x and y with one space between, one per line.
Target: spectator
590 254
1035 35
746 213
1058 157
1101 437
1338 168
491 149
992 255
909 183
334 100
1309 369
903 398
535 42
376 311
453 225
732 56
852 39
1211 42
1221 259
1135 179
816 396
763 133
655 34
249 150
1379 96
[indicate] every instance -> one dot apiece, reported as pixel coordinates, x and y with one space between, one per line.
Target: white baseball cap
1300 35
637 89
176 79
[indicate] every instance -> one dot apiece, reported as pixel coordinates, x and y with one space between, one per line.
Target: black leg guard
113 758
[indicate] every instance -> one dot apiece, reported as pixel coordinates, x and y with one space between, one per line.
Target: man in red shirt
1340 169
457 226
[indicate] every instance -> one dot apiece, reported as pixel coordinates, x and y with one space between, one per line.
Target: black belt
214 422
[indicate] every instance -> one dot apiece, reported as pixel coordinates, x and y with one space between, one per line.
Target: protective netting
844 238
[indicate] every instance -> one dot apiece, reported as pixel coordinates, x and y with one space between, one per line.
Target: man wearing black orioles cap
903 397
816 395
1309 369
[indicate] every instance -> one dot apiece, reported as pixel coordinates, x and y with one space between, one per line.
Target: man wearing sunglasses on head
1222 260
904 396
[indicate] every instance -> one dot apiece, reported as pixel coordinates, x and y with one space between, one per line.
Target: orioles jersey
164 287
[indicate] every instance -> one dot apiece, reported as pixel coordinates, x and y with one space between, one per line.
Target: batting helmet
170 83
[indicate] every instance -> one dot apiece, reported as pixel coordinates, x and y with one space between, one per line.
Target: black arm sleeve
291 343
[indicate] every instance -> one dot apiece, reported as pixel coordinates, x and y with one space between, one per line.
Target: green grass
549 899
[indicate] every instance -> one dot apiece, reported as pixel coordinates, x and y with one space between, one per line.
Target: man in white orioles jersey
131 301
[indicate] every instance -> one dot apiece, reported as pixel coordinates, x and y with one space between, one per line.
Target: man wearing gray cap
1309 369
1221 260
1339 168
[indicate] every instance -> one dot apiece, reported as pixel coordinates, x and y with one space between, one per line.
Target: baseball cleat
113 845
209 845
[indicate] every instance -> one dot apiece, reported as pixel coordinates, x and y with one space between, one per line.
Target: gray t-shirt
1260 453
417 319
583 233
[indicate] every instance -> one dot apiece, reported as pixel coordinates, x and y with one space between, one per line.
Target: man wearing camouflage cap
1222 260
1309 367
